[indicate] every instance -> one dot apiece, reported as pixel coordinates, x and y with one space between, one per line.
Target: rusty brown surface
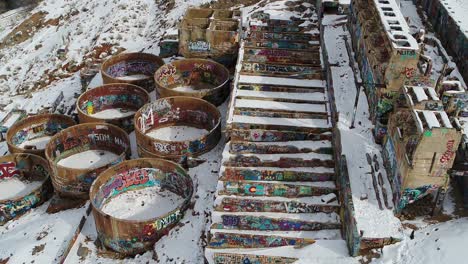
143 63
136 236
207 80
26 167
181 111
108 96
75 183
36 122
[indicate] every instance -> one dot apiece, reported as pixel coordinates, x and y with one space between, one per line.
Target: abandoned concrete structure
386 52
208 33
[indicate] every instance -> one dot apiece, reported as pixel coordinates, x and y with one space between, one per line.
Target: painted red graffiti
8 170
449 153
408 72
131 178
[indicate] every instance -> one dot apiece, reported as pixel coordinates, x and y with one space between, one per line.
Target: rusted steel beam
243 147
73 182
283 162
233 258
24 167
119 96
290 207
249 222
265 135
134 68
229 240
240 174
198 78
273 189
136 236
293 71
35 127
178 110
267 55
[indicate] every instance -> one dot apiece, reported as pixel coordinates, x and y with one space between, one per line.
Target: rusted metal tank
199 78
26 168
112 103
133 68
31 135
135 236
175 112
100 145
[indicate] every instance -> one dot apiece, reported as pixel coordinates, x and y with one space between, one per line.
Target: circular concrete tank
79 153
134 68
177 127
123 225
199 78
31 134
112 103
24 184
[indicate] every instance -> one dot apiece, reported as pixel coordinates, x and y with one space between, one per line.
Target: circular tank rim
148 99
216 126
123 57
128 163
123 154
191 94
25 122
44 181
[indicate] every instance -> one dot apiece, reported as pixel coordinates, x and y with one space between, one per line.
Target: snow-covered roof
426 119
395 25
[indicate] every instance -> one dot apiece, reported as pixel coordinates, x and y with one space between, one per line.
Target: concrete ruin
198 78
132 237
386 52
112 103
133 68
27 168
177 111
210 33
31 134
100 137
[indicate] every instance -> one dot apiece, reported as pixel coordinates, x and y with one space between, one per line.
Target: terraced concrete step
292 71
275 204
231 258
328 234
279 88
317 97
275 135
275 174
285 36
283 106
290 123
280 160
249 79
283 44
284 56
229 240
275 188
262 221
278 113
302 146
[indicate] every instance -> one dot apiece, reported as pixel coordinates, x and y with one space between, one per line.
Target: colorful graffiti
260 135
410 195
131 67
297 70
273 189
251 205
279 36
228 240
239 174
247 222
199 45
232 258
8 170
49 128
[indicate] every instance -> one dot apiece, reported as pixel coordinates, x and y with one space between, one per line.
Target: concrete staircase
277 181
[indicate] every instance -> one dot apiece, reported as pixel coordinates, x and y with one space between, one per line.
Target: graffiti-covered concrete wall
453 37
